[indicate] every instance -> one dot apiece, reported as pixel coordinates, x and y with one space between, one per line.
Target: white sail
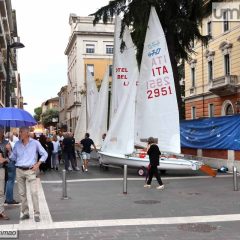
122 60
156 108
120 136
92 95
80 129
98 122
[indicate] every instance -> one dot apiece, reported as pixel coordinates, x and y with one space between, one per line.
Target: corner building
212 79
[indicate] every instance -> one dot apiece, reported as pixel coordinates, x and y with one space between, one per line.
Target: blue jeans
11 169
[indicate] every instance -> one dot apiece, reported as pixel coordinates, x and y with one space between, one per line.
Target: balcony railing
223 86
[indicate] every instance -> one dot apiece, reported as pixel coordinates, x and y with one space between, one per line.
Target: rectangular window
225 21
109 49
210 70
110 70
193 112
193 76
90 48
90 68
211 110
209 28
226 64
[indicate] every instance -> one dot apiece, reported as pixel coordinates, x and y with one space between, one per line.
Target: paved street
192 206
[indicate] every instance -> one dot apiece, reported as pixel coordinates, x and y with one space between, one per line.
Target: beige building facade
89 48
52 103
212 82
63 108
212 76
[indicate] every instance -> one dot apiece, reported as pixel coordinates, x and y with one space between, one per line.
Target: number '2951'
157 92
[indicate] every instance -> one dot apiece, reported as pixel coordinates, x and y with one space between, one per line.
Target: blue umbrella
16 117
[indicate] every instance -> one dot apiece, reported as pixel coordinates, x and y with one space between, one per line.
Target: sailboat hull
136 162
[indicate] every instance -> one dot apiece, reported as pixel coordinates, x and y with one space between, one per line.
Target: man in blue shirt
25 155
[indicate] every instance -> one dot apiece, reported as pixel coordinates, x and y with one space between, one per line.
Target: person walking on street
56 147
43 142
68 146
25 154
49 151
86 144
73 149
154 155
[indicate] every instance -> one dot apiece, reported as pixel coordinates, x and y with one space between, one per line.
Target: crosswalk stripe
131 179
124 222
43 206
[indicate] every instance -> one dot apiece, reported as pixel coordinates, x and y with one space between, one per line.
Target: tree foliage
38 112
48 116
180 19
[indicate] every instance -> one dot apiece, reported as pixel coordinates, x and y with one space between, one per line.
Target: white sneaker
69 169
86 170
147 186
160 187
77 168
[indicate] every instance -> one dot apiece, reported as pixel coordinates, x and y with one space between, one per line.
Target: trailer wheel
163 171
104 167
141 171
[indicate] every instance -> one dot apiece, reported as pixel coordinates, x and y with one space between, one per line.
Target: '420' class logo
154 52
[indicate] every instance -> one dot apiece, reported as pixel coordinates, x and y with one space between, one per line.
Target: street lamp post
14 45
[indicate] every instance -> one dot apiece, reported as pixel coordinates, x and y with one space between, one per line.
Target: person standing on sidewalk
86 144
11 174
154 155
3 144
25 154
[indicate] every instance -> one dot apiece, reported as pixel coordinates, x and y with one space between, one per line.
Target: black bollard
64 185
125 179
235 180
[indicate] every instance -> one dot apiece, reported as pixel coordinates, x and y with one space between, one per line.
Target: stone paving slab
212 231
105 200
101 200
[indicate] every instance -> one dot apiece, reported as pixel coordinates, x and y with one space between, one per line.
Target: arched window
229 110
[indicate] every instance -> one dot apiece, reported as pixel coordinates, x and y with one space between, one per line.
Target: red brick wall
215 153
189 151
237 155
212 153
202 106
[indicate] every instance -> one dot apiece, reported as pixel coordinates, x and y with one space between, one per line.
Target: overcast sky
44 30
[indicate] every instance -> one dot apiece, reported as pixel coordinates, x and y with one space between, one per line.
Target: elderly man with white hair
25 154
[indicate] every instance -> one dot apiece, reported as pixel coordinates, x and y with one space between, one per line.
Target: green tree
38 112
180 20
48 116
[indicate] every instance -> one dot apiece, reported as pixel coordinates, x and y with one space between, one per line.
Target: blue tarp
211 133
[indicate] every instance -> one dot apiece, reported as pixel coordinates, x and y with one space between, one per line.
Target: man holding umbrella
24 154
